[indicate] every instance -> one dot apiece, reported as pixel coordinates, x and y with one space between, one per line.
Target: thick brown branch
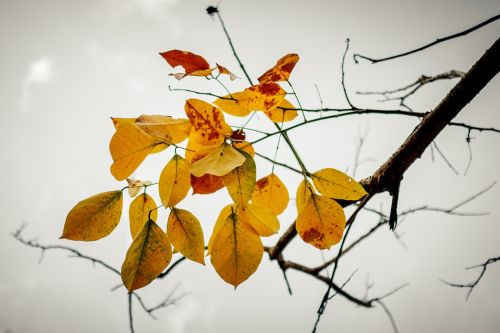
464 91
391 172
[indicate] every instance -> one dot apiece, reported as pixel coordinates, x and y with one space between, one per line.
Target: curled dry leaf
193 64
134 186
337 185
281 71
321 222
185 233
261 97
148 255
236 250
175 181
95 217
224 70
270 192
219 162
139 212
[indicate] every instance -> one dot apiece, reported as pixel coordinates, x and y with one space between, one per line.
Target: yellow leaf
240 181
337 185
148 255
270 192
245 146
261 97
165 128
236 250
219 162
196 151
304 191
280 113
321 223
138 212
129 146
207 122
221 219
281 71
175 181
134 186
95 217
260 218
185 233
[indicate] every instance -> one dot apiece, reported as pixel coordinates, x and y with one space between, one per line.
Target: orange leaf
281 71
207 122
245 146
206 184
193 64
224 70
261 97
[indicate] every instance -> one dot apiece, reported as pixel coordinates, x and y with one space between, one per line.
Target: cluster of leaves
216 157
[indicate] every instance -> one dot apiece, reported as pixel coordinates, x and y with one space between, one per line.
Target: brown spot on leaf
261 183
312 235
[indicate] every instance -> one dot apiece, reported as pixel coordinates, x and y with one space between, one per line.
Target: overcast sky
67 66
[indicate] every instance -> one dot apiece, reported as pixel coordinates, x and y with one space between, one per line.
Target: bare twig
437 41
389 314
343 75
130 318
473 283
401 94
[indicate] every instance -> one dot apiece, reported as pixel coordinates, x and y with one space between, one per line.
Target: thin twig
343 75
130 318
437 41
473 283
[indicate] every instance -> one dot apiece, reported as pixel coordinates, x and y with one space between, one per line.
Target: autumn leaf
262 219
164 128
129 146
148 255
206 184
247 147
337 185
139 212
95 217
219 162
224 70
270 192
175 181
240 181
207 122
281 112
281 71
185 233
236 251
321 222
193 64
261 97
304 191
221 220
134 186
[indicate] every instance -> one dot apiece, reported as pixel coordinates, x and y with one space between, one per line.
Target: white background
67 66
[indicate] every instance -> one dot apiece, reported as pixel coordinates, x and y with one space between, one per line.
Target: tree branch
437 41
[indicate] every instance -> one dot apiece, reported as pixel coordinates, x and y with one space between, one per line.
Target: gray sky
67 66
